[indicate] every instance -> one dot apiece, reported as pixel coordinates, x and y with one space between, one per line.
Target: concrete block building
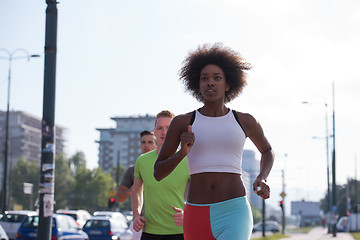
24 138
121 145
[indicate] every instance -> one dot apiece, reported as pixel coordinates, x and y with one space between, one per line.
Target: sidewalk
318 233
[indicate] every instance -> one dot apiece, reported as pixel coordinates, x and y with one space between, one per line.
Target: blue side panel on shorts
231 219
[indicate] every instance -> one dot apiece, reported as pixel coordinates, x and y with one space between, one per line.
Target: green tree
62 181
257 215
24 172
90 189
354 189
117 175
77 161
341 198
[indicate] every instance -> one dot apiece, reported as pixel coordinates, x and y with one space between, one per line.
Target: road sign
28 187
282 194
112 193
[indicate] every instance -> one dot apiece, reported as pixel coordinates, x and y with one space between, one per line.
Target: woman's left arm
256 134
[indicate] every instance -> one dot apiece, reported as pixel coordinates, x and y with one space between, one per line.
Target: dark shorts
149 236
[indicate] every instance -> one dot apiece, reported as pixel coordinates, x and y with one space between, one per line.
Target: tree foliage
62 181
342 199
117 175
257 215
77 161
90 189
76 187
24 172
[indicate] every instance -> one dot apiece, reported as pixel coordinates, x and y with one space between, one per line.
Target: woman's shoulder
244 116
246 119
182 121
248 123
184 118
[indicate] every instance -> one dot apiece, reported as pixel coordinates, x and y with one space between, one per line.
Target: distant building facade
24 138
251 166
308 212
121 145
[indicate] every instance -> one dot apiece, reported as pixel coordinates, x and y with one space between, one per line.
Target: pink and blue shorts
227 220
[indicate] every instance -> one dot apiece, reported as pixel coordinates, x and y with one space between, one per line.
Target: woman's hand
187 140
261 188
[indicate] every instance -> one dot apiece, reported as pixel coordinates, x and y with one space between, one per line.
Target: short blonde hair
164 113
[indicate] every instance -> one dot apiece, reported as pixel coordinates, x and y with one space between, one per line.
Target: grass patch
356 235
300 230
272 237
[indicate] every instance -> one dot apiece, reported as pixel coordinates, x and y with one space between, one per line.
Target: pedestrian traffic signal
111 203
281 204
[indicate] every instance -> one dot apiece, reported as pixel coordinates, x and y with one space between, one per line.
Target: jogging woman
212 137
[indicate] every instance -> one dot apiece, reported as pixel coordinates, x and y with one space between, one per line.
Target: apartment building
121 145
24 138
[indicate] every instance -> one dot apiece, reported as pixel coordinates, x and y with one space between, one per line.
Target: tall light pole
47 167
329 204
10 57
334 165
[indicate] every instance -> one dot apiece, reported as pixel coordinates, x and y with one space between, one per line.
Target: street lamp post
334 208
10 57
329 202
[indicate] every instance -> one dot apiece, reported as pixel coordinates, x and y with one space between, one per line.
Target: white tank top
219 143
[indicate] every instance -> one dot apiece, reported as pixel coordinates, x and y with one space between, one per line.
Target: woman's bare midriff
215 187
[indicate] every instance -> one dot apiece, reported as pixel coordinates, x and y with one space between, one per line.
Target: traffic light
281 204
111 203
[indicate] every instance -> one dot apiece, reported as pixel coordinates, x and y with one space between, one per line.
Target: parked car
115 215
270 226
63 227
3 235
107 228
11 221
80 216
342 224
128 215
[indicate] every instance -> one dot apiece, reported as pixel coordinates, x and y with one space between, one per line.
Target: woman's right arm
169 157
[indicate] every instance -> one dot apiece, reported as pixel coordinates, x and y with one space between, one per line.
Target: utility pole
47 167
334 167
329 202
283 206
357 205
348 199
263 217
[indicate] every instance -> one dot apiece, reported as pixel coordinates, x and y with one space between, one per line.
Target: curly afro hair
232 64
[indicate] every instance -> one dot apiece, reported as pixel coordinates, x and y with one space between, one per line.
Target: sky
122 58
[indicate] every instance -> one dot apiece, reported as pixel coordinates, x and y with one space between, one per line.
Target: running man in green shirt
163 201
